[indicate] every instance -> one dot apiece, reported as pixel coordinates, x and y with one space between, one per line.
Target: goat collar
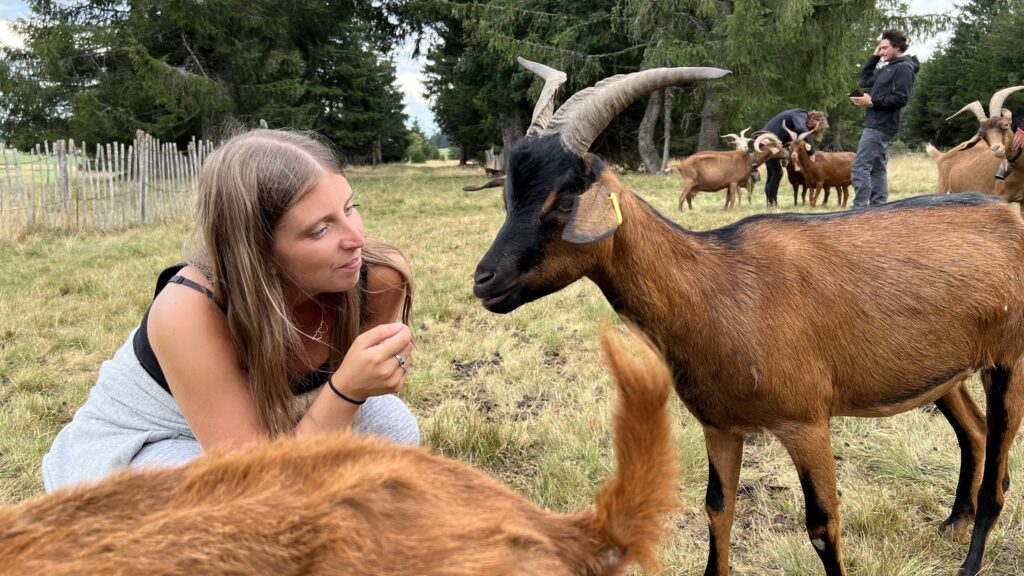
1016 156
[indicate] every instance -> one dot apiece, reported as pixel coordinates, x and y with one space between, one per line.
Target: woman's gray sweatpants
383 416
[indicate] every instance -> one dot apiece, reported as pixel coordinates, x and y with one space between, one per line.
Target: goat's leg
1004 395
725 454
986 382
810 447
968 424
688 192
814 195
730 195
824 201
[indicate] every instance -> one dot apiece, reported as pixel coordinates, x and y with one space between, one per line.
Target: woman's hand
371 367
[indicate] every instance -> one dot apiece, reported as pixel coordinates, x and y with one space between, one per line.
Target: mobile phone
855 93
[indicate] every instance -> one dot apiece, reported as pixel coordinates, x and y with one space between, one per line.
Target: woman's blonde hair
246 186
820 122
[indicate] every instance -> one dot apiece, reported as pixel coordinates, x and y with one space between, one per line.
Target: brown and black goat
713 170
971 168
360 506
927 291
829 169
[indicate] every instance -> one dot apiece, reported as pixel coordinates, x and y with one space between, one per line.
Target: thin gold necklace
321 330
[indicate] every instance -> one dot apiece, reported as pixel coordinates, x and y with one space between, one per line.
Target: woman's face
317 244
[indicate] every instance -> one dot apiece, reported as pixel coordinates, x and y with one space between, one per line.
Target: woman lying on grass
283 296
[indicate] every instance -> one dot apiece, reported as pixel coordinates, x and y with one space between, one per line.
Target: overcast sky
409 71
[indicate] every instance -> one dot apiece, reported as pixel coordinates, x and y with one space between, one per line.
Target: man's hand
878 50
1018 139
814 158
861 101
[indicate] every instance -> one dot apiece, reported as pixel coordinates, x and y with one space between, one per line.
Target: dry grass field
523 396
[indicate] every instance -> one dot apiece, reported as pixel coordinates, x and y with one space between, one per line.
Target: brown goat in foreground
926 292
359 506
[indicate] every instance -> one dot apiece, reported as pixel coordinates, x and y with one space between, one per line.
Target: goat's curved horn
581 118
792 135
545 107
492 183
743 133
973 107
760 141
995 105
730 135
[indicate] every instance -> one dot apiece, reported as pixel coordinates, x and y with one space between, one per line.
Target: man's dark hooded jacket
890 90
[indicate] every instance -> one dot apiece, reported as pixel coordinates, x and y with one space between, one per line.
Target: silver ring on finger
401 362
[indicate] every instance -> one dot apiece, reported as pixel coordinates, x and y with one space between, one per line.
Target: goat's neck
652 268
763 156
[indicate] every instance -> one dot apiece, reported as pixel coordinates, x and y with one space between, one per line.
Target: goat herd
926 292
965 168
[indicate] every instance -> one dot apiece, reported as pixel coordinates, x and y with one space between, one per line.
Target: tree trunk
667 107
648 151
511 130
710 119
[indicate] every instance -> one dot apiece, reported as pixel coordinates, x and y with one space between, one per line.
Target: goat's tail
933 151
633 505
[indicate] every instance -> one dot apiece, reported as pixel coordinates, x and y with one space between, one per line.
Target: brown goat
359 506
830 169
971 168
713 170
796 180
927 291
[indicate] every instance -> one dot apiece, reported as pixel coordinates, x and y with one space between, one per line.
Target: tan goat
360 507
830 169
741 143
971 168
713 170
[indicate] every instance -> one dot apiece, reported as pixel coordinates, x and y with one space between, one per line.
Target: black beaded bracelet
330 382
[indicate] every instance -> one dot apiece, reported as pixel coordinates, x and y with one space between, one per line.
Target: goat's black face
541 188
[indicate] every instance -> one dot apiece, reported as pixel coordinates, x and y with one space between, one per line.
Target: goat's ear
595 215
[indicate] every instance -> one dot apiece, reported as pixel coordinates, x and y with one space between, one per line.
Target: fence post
140 157
63 179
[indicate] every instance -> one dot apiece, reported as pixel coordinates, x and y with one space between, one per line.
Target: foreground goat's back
349 505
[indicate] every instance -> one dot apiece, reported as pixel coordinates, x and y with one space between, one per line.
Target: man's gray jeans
870 179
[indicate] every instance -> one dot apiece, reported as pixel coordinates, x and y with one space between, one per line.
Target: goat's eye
565 203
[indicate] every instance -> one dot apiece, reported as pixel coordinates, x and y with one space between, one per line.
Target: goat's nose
482 276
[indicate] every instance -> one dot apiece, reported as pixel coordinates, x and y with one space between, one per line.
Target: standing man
890 76
799 121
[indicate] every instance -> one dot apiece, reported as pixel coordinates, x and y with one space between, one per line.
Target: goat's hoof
957 527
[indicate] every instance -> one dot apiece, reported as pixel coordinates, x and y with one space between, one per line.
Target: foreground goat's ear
594 216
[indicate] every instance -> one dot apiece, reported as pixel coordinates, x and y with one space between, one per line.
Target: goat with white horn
971 168
734 311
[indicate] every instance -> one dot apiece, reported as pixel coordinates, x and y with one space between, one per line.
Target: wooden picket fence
64 185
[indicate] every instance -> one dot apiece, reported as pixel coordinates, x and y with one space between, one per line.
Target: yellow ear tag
807 146
615 203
